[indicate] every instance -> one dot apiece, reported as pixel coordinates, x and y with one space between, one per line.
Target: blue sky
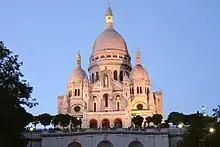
179 42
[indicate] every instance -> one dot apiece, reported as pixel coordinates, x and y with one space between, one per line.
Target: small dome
138 72
78 74
109 39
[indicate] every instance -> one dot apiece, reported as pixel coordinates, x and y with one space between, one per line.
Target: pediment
117 85
97 84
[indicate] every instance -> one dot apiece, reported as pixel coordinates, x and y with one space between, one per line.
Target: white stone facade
108 138
115 91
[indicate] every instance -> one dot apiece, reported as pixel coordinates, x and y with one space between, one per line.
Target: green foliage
137 120
15 93
165 124
76 122
198 132
55 121
157 119
176 118
35 121
64 119
149 120
216 113
45 119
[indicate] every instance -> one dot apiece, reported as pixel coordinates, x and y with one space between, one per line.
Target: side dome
78 73
109 39
138 72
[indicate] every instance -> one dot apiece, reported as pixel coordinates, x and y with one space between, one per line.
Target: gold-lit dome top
109 39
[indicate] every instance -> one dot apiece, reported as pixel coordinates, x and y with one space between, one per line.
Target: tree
15 95
64 120
198 132
149 119
217 112
157 119
175 118
35 121
165 124
45 119
137 120
55 121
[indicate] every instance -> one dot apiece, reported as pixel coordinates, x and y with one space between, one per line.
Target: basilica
107 98
113 91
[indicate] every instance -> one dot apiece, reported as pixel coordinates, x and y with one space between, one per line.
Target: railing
143 131
106 110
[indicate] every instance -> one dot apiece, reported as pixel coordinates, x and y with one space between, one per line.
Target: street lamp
180 126
31 130
211 130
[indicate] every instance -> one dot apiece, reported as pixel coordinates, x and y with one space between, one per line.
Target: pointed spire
109 17
138 57
78 59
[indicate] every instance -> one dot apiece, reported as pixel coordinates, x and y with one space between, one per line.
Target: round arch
117 123
74 144
135 144
105 123
134 106
93 123
105 143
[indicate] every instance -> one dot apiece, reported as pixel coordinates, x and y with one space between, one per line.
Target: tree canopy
15 94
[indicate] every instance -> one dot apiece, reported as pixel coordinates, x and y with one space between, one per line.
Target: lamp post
31 130
211 130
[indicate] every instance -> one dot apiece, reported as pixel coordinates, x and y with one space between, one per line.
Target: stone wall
117 137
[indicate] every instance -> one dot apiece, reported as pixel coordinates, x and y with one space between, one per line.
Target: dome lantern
109 19
78 60
138 57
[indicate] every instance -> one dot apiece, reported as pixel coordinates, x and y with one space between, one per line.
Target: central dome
109 39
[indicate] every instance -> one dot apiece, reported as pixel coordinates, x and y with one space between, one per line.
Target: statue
106 81
85 105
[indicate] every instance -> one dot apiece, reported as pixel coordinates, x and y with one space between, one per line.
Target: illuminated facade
114 91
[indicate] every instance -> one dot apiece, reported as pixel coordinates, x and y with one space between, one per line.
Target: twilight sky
179 42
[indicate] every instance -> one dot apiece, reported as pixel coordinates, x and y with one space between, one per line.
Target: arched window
92 77
115 75
118 106
140 89
78 92
97 76
137 89
94 107
106 100
75 93
121 75
132 90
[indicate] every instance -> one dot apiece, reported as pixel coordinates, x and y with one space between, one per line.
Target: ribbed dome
138 72
109 39
78 74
